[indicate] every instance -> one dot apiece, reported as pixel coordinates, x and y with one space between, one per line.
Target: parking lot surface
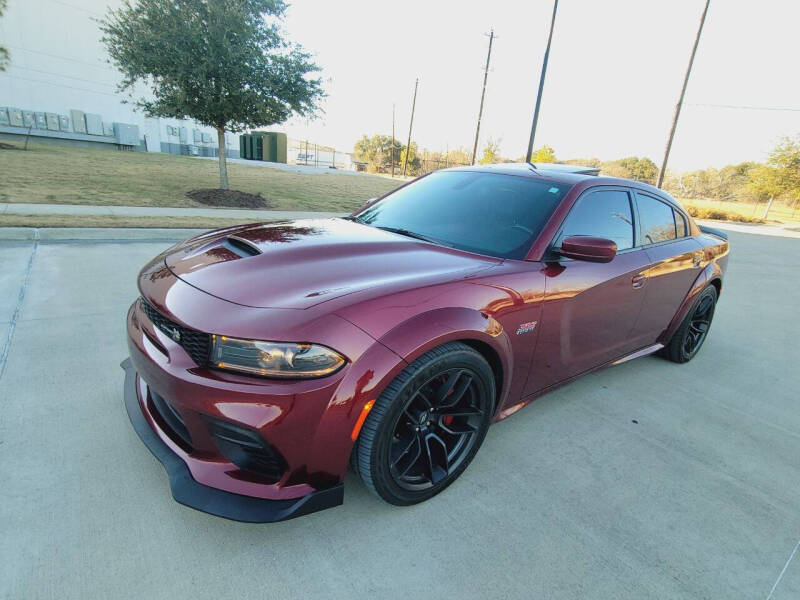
647 480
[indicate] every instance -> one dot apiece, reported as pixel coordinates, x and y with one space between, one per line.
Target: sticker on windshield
553 190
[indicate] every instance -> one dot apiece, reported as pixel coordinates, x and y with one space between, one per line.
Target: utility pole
678 106
483 94
392 139
410 124
541 83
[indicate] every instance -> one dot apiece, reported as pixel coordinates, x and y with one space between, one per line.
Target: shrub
719 214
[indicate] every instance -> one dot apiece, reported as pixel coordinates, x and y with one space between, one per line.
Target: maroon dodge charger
266 358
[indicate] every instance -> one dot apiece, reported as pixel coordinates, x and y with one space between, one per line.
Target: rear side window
658 220
606 214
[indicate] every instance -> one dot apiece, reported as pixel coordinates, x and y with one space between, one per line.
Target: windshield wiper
411 234
353 218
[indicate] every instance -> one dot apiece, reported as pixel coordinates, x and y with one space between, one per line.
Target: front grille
196 343
170 421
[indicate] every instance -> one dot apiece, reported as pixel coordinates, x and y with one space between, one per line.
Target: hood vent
240 246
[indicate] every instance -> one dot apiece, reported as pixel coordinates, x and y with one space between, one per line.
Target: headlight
274 359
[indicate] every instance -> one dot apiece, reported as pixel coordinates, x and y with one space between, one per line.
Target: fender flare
710 272
369 375
425 331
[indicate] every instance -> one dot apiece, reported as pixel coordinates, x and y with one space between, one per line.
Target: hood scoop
240 246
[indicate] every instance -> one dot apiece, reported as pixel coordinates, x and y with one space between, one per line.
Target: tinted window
487 213
680 224
605 214
658 220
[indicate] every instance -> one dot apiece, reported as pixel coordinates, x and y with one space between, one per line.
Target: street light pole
392 139
541 84
410 124
483 94
678 106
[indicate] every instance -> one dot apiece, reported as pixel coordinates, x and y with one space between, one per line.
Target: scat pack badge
526 327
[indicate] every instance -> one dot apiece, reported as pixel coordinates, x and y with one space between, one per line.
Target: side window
658 220
605 214
680 224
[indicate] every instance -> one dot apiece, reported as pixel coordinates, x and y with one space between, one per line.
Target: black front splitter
210 500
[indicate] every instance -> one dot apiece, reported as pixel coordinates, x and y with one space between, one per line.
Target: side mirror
584 247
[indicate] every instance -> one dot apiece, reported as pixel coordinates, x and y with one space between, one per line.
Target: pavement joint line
786 566
18 308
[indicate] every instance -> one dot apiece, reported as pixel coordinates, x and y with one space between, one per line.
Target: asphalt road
648 480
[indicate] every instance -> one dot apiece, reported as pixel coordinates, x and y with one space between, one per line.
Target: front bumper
215 501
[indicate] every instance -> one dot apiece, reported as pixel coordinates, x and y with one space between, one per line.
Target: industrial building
60 88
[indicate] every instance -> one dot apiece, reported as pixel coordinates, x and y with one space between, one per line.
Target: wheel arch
717 283
711 275
474 328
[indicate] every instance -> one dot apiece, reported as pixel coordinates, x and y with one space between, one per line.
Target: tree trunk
769 205
223 164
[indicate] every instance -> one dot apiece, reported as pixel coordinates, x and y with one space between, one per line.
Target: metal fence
312 154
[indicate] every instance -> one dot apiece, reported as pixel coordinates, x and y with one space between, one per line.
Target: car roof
562 173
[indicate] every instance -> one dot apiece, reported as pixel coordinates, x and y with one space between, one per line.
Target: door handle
638 280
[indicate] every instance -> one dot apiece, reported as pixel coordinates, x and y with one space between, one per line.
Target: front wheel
427 425
689 337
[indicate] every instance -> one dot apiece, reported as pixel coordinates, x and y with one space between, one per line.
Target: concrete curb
96 234
16 208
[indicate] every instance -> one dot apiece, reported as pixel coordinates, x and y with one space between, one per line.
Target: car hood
298 264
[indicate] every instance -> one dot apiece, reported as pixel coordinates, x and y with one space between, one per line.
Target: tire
693 331
417 440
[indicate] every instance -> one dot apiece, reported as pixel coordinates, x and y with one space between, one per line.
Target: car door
589 309
675 262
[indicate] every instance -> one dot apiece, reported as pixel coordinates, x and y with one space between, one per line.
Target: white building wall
58 63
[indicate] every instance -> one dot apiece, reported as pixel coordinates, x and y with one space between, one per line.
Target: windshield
488 213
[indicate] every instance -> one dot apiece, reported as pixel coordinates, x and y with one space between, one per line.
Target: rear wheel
689 337
427 425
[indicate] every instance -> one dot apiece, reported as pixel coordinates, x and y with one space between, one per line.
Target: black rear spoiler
712 231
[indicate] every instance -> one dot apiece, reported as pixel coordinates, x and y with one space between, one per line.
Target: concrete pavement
647 480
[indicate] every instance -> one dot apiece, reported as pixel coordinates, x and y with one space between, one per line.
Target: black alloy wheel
693 331
427 425
436 429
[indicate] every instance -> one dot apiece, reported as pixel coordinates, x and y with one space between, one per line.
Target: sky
614 77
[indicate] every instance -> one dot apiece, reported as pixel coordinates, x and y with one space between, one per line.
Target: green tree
457 157
584 162
785 160
491 152
633 167
413 159
3 51
545 154
223 64
376 151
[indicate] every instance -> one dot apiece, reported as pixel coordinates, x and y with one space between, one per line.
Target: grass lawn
66 175
741 211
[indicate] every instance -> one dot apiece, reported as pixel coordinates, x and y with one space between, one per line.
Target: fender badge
526 327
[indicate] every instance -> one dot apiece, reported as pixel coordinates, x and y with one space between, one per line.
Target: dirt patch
228 198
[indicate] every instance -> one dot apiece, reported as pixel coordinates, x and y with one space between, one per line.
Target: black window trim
552 253
640 243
